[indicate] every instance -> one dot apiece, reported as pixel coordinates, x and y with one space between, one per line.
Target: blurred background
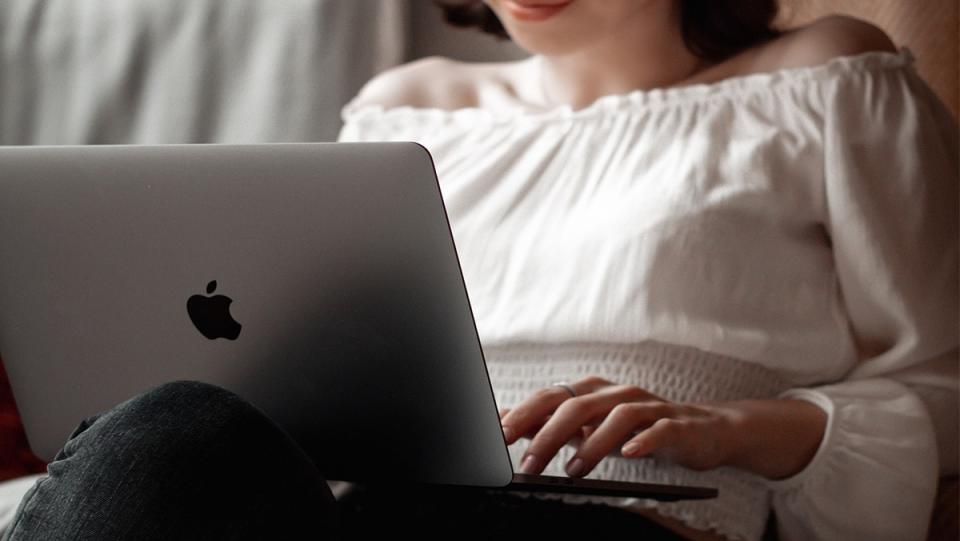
198 71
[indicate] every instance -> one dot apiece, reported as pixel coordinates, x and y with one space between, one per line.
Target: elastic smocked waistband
674 372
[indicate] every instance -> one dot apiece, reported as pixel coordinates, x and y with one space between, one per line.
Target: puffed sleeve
351 130
890 190
364 122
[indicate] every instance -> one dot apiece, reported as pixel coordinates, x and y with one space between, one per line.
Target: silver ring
565 386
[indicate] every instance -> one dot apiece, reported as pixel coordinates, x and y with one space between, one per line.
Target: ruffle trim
641 98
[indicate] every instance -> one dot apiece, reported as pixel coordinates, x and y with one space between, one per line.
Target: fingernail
575 467
630 449
529 464
507 433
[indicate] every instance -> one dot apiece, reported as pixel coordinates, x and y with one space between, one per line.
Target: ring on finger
565 385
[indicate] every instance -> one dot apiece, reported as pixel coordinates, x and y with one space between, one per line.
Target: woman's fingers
531 431
622 423
525 416
586 430
696 437
659 438
551 417
615 420
529 414
567 424
534 428
588 427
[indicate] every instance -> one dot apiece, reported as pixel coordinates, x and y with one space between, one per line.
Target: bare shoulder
830 37
434 81
444 83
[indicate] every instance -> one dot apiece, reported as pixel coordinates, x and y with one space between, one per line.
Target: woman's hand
607 417
775 438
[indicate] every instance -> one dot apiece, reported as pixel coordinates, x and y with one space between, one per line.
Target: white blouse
791 233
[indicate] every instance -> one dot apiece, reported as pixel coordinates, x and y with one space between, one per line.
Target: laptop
319 281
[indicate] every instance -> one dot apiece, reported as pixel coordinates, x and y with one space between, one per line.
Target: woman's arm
776 438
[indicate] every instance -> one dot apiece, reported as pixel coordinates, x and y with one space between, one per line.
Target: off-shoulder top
782 234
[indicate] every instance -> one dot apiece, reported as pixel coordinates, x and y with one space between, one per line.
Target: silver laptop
319 281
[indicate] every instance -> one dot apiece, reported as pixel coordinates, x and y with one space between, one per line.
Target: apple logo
211 315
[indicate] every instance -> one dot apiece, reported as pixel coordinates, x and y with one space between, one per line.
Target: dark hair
712 29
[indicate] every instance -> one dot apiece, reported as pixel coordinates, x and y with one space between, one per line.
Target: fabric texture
802 221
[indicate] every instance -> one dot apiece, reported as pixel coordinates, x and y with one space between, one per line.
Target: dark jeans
189 460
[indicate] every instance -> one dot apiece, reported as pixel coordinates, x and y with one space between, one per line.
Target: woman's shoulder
810 45
828 38
435 82
444 83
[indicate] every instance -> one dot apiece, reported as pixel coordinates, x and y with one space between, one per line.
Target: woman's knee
174 404
196 423
186 446
177 413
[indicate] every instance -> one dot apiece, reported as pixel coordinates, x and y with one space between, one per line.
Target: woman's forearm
775 438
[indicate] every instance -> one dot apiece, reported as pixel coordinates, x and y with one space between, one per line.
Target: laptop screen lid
343 277
319 281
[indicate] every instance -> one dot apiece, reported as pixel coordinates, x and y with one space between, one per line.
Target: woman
735 245
663 174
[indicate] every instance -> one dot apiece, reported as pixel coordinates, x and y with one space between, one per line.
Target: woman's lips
534 11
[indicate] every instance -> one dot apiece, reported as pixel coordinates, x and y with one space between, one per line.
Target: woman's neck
652 54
